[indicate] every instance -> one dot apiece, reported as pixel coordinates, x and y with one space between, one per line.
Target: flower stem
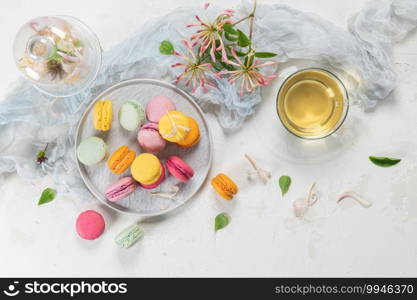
263 174
250 16
251 20
243 19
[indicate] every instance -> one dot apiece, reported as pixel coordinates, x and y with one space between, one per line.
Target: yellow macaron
103 115
193 136
146 169
174 126
121 160
224 186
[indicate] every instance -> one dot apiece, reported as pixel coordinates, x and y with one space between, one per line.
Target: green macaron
131 115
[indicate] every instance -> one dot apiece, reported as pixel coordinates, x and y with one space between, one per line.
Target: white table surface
264 238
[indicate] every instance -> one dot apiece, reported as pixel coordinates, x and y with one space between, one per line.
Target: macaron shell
157 107
121 189
157 183
121 160
90 225
174 126
146 168
179 168
91 151
131 115
224 186
103 115
193 136
149 138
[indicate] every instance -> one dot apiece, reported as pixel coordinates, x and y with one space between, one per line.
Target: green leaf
78 43
265 54
384 161
230 37
242 39
248 60
228 28
54 55
48 195
166 48
284 184
216 65
238 53
227 66
221 221
41 154
217 55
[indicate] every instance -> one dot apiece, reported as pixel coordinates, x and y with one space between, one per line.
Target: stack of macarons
166 123
156 125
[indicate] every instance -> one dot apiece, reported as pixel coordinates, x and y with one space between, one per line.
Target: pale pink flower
247 73
210 32
194 70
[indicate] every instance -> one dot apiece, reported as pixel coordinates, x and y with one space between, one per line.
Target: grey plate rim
84 177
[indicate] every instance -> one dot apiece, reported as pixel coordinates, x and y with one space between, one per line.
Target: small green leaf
248 60
218 55
216 65
238 53
242 39
166 48
228 28
384 161
48 195
227 66
221 221
41 154
78 43
54 55
230 37
265 54
284 184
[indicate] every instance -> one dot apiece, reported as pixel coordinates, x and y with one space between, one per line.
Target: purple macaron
149 138
121 189
179 168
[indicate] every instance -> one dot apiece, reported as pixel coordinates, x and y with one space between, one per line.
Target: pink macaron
157 183
121 189
90 225
179 168
149 138
157 107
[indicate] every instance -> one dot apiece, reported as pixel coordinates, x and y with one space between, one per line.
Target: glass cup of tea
312 103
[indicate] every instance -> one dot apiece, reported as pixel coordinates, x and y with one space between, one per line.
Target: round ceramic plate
145 202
